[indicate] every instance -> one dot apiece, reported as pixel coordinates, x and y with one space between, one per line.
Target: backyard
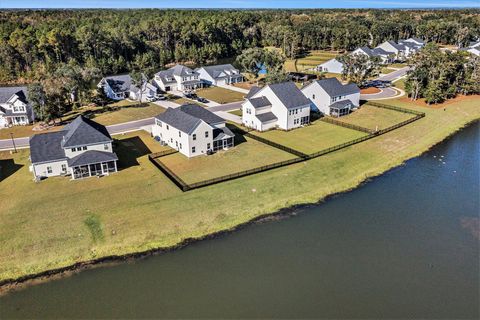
246 155
220 95
317 136
139 208
375 118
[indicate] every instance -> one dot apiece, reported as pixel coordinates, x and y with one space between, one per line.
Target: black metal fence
300 156
395 108
346 125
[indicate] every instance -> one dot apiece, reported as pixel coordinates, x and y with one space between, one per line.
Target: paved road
113 129
394 75
386 93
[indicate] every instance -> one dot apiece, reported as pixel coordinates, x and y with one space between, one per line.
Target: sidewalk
229 116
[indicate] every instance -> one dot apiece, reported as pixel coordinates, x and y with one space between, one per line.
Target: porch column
89 171
73 176
115 162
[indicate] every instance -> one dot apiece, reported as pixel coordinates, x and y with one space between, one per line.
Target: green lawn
246 155
398 65
400 84
386 70
56 222
311 60
315 137
130 113
375 118
237 112
220 95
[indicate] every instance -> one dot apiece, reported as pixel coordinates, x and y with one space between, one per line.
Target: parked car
201 99
151 98
160 97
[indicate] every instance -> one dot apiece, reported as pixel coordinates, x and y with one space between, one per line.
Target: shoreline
10 285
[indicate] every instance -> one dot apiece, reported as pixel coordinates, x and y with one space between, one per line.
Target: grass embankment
237 112
220 95
137 209
114 113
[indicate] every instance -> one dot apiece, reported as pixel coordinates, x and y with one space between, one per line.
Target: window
74 149
159 123
208 146
296 111
105 146
64 168
193 149
313 96
168 127
84 148
180 146
179 133
194 137
206 134
171 140
49 169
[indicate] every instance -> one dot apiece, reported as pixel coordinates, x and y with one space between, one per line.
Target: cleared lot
375 118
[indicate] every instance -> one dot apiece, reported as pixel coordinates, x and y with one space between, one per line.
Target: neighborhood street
394 75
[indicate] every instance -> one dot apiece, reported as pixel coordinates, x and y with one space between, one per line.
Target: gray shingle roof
266 117
179 119
220 71
367 51
83 131
260 102
119 83
7 92
222 133
252 92
289 94
90 157
201 113
47 147
334 88
341 104
186 117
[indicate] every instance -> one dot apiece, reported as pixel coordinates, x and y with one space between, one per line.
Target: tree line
34 44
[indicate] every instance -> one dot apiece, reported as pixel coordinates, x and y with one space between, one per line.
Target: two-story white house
116 87
192 130
331 97
178 78
218 75
82 149
280 105
15 108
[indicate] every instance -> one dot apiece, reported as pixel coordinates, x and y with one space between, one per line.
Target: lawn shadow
7 168
239 138
129 150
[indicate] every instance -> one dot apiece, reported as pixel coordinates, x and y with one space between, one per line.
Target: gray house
217 75
15 108
116 87
82 149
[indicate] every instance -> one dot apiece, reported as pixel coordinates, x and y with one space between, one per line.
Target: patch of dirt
422 103
370 90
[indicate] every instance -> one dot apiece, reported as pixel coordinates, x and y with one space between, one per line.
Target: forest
41 44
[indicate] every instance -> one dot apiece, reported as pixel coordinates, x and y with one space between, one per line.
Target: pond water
404 245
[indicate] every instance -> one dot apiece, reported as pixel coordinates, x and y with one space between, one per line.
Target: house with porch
192 130
82 149
15 108
331 97
116 87
218 75
279 105
178 78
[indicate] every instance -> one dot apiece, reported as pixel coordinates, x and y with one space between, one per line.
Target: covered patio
341 108
92 163
223 138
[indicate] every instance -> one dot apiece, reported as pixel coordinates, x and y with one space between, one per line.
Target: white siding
182 141
321 100
107 147
41 170
332 66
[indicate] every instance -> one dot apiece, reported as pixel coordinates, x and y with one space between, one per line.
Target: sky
239 4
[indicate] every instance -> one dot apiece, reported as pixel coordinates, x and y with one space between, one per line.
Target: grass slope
220 95
44 224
